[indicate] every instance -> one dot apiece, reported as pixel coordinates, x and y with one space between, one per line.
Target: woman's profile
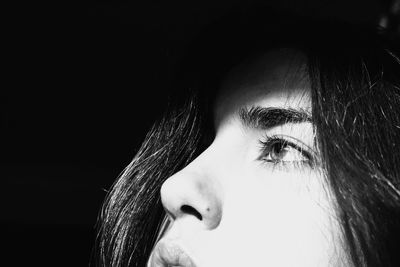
281 147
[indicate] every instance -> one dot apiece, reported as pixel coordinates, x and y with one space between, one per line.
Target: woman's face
256 196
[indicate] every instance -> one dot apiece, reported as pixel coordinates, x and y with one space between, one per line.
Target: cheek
282 218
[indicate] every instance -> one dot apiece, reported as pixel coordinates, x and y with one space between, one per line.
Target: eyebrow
266 118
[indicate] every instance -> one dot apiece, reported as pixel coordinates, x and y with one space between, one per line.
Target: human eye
284 150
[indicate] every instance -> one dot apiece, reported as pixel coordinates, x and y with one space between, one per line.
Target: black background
83 82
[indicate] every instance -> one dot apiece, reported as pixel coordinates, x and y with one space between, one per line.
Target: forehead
274 79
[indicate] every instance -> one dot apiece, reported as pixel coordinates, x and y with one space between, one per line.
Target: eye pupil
278 150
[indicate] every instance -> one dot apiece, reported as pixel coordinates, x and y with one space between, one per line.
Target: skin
257 212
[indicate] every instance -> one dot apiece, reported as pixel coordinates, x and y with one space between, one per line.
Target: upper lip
170 253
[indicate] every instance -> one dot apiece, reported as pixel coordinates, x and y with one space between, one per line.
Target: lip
170 253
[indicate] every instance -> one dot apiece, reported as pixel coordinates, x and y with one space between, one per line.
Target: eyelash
266 148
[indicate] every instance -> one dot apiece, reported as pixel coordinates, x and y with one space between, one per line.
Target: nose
193 193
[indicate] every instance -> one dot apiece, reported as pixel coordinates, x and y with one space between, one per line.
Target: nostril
190 210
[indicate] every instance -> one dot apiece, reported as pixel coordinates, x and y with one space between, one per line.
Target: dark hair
355 83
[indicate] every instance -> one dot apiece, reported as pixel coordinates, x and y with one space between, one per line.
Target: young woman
285 153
